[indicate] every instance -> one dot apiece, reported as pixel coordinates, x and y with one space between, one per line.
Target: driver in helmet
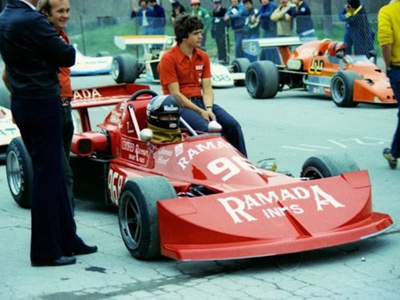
163 113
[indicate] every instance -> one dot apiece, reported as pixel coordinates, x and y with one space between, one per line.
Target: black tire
19 172
138 217
240 65
103 54
323 166
342 87
262 80
124 68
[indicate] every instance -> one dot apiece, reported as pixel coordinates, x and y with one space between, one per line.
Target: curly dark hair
186 24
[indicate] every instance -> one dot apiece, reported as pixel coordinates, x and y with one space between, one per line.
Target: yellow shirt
389 29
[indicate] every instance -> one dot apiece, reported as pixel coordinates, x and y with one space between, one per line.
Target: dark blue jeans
239 36
394 76
53 230
231 128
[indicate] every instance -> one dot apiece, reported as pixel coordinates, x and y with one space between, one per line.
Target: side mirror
214 127
340 54
146 134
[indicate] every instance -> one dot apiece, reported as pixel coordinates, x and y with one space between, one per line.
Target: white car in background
126 68
8 131
87 65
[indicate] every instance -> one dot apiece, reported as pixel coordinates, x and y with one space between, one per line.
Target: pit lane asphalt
291 127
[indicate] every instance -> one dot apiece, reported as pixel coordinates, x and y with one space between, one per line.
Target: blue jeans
231 128
239 36
394 76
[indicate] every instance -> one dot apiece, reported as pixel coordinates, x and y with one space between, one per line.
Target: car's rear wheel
342 88
323 166
262 80
138 217
19 172
240 65
124 68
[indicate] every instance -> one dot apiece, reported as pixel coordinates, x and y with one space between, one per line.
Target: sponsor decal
171 108
9 131
138 153
86 94
199 67
274 204
178 150
198 149
164 151
115 182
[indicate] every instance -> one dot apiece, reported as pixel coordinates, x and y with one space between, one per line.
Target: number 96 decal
230 167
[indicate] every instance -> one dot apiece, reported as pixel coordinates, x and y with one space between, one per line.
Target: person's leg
194 120
238 44
39 121
67 133
395 83
231 129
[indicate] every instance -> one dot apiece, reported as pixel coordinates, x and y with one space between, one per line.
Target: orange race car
321 67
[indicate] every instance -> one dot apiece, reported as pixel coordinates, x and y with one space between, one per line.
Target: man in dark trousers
219 31
32 52
159 18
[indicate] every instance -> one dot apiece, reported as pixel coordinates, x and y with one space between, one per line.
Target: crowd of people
246 21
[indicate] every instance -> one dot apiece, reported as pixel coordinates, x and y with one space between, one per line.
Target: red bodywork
316 60
248 211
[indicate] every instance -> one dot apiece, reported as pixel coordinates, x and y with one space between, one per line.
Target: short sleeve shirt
175 66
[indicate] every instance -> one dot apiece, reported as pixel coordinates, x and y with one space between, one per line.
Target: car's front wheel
19 172
138 217
323 166
342 88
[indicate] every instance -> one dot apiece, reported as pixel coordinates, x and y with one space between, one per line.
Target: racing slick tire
124 68
240 65
342 87
323 166
19 172
262 80
138 217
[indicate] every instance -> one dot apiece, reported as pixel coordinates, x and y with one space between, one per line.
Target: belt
195 98
65 101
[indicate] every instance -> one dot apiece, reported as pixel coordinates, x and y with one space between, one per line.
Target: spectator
145 17
236 16
359 31
284 27
202 14
58 15
32 52
177 10
269 27
389 39
304 24
185 70
159 19
347 38
219 31
251 27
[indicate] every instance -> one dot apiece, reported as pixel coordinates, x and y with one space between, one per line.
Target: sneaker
390 158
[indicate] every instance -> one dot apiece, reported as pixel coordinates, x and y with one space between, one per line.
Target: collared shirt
175 66
64 75
29 4
389 29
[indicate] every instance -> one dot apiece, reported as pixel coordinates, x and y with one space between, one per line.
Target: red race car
320 67
200 199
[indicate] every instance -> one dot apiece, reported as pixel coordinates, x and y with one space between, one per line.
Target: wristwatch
209 107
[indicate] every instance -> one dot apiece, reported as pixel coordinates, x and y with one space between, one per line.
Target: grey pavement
291 127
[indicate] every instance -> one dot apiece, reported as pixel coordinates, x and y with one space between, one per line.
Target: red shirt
175 66
64 75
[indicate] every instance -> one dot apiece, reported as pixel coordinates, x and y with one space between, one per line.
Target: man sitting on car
163 113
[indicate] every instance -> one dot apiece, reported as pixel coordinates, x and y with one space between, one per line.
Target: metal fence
98 35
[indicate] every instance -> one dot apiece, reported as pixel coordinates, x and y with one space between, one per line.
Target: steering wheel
142 92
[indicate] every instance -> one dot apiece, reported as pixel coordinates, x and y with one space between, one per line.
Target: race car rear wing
122 41
255 46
